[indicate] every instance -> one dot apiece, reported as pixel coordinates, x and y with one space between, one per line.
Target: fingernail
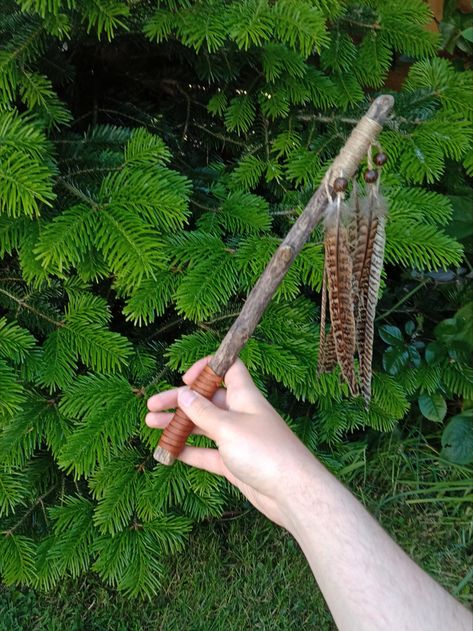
186 396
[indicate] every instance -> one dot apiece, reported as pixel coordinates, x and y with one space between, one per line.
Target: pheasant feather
327 359
367 267
338 265
366 222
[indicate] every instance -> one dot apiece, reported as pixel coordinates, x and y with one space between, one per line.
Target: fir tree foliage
152 157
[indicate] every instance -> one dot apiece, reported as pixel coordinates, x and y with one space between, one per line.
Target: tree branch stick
346 164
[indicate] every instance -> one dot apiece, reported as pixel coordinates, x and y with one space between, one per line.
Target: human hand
257 452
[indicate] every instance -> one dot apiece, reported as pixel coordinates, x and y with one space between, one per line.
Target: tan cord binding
174 437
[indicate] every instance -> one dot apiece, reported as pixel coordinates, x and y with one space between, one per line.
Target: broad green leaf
395 358
457 440
414 355
391 334
433 407
468 34
435 352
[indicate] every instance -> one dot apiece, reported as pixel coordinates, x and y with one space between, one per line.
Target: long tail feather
338 264
367 221
366 356
368 262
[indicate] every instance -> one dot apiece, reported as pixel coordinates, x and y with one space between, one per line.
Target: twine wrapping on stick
355 149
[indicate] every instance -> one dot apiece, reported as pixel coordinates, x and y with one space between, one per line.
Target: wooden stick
346 163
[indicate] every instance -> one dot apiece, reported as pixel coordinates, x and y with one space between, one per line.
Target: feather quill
338 266
323 333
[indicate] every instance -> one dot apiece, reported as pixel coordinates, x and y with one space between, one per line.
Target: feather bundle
354 250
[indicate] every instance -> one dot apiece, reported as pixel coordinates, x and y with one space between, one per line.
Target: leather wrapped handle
173 438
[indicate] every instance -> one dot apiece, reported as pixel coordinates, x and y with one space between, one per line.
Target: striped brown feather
369 307
338 264
330 357
367 222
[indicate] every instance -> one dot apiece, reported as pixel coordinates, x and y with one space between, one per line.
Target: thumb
201 411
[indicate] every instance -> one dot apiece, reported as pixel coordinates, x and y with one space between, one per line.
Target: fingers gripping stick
174 437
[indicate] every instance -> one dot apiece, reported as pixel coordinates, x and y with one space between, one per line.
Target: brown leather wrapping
175 435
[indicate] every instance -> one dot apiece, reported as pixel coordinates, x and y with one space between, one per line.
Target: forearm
367 580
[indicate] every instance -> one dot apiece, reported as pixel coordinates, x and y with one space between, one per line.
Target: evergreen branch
404 299
166 327
327 119
10 531
27 42
93 170
233 141
220 318
108 110
374 26
78 193
25 305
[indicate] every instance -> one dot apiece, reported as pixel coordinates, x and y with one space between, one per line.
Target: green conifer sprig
139 205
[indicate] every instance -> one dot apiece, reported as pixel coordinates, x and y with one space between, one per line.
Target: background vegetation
152 156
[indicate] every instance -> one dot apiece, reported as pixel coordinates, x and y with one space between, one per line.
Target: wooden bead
340 185
381 158
371 176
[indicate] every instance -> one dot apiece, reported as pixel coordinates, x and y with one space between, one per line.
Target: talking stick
345 165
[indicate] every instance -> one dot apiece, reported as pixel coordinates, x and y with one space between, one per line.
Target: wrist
300 494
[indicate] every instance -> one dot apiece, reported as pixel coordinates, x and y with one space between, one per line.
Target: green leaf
433 407
12 391
217 104
14 489
457 440
15 341
435 353
73 535
105 16
202 24
240 114
410 327
414 355
59 360
391 334
250 22
104 423
468 34
300 25
395 358
17 555
145 148
25 184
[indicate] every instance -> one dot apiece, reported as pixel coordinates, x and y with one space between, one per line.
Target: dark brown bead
371 176
381 158
340 185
